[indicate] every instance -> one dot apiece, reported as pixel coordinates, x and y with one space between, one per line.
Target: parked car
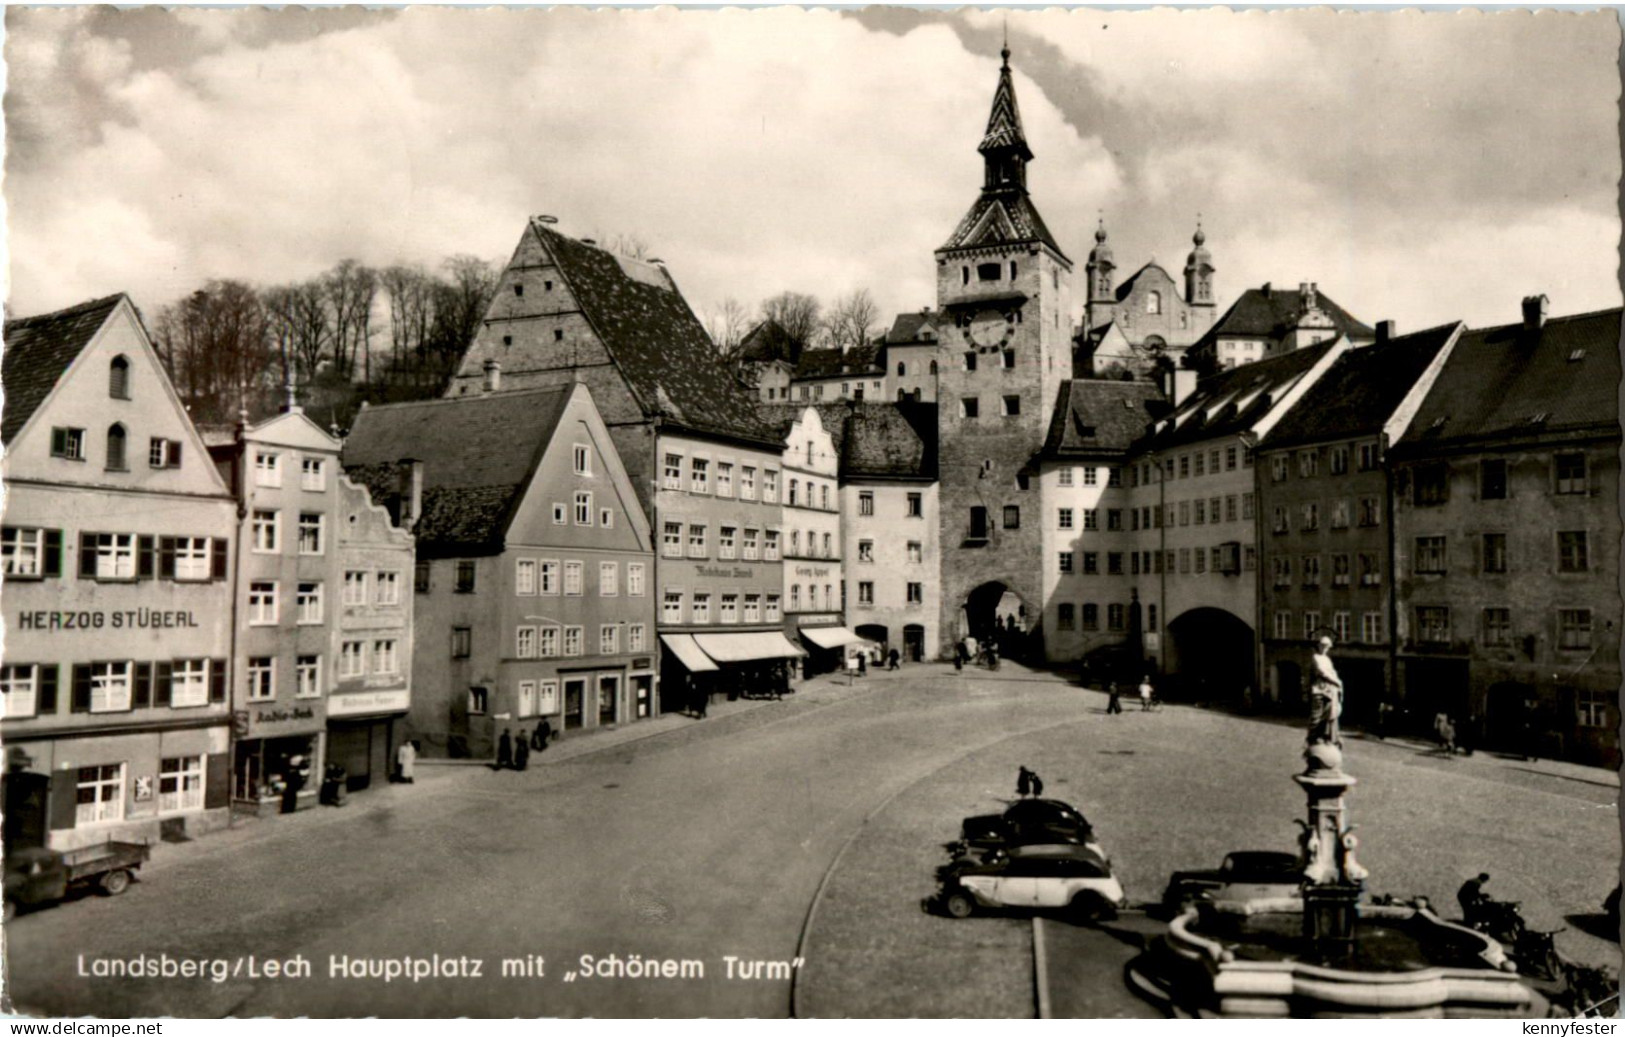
1028 821
1061 877
1244 875
36 875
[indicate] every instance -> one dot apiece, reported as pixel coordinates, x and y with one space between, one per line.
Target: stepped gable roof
39 350
831 363
890 441
1358 395
1127 286
1511 382
1095 415
658 344
1243 394
766 342
781 416
1270 312
478 454
1024 223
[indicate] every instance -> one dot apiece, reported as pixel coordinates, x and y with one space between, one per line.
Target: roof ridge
1549 320
66 311
539 390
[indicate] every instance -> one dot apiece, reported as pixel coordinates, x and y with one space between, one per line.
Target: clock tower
1004 287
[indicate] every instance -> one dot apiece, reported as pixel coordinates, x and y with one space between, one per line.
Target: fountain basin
1251 960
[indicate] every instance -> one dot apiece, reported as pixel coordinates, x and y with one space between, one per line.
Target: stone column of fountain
1333 879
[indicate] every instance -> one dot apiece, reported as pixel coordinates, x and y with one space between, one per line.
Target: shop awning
687 652
832 637
745 647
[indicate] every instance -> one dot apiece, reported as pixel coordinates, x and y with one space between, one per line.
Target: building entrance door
575 689
914 643
609 699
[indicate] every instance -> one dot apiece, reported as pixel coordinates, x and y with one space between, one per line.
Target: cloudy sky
1421 168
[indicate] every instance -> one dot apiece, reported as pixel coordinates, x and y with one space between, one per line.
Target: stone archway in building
879 633
995 611
1211 655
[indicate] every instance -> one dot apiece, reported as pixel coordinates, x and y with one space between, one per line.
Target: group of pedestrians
1028 783
970 650
1148 696
514 753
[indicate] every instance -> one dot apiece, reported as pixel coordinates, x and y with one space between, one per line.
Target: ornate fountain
1330 951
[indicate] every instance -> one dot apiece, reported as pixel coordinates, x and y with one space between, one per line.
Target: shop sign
275 721
642 662
118 619
812 570
350 703
143 788
1153 641
722 572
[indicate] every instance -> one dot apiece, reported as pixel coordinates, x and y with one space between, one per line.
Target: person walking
863 664
406 758
543 735
504 750
1024 781
298 774
1445 731
893 658
1145 694
1114 701
1038 785
1325 696
521 751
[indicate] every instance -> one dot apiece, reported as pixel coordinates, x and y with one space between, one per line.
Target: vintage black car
1244 875
1025 822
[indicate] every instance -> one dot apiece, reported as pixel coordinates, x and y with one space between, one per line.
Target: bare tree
727 323
851 321
350 289
219 350
799 315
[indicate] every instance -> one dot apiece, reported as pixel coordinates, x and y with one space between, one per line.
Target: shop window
100 795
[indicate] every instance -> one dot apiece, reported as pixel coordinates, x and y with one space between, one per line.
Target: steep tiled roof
1025 222
1095 415
1269 313
39 350
477 452
829 363
657 342
766 342
1230 401
890 441
907 328
1506 382
1358 395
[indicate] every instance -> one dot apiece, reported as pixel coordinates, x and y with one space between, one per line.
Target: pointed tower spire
1004 145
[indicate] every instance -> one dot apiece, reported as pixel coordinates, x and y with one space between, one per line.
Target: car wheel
115 882
959 904
1090 907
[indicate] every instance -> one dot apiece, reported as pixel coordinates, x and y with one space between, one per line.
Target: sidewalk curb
1040 969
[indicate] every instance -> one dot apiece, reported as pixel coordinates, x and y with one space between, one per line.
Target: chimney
493 376
1534 312
1385 331
1267 291
410 487
1179 384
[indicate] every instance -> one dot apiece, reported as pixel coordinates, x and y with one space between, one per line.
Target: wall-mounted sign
720 572
351 703
812 570
143 788
277 721
121 619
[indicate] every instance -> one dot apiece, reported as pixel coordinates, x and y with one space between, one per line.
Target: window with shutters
163 453
187 559
117 457
68 443
308 677
19 688
189 682
100 795
110 686
180 784
118 378
107 556
23 551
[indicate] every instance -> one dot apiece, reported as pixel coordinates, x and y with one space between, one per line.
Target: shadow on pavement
1594 925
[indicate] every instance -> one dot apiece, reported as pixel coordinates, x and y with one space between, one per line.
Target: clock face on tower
989 328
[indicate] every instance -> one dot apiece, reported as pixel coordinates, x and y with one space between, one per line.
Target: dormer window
118 378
